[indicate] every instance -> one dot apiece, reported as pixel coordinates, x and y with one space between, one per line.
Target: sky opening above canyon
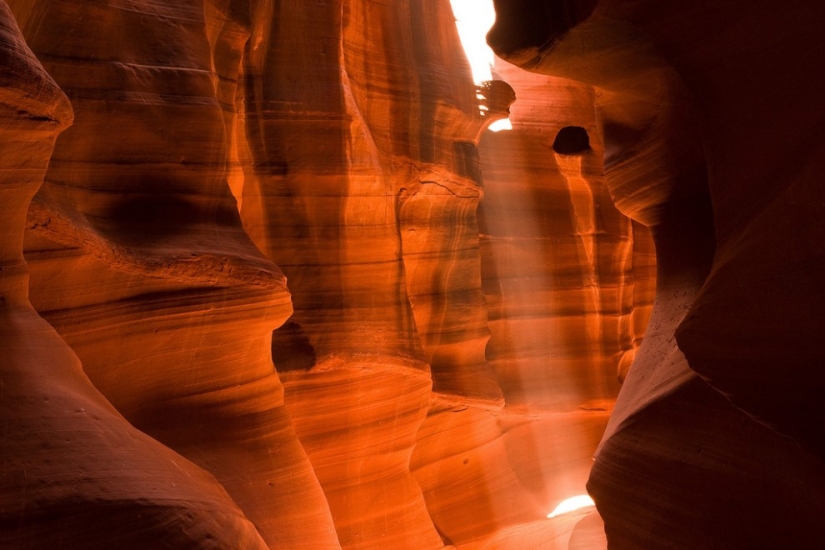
473 19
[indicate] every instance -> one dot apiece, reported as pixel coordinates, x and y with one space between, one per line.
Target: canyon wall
568 280
712 135
287 292
75 473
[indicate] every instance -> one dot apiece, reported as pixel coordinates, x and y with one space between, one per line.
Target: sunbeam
473 19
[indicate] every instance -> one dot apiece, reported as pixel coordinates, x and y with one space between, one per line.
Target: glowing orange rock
337 144
559 311
140 261
433 387
75 473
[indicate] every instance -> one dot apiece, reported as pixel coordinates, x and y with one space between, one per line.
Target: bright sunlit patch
473 19
499 125
571 504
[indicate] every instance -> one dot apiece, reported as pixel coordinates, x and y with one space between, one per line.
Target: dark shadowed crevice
291 348
468 164
571 140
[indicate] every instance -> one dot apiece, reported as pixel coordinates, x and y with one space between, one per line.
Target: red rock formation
75 473
558 268
155 284
425 187
428 387
330 137
386 278
685 103
559 258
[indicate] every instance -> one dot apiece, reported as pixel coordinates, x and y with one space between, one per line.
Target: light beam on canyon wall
712 129
473 18
282 291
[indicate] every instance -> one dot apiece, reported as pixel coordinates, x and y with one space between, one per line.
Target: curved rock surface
75 473
705 148
139 259
356 132
433 359
568 282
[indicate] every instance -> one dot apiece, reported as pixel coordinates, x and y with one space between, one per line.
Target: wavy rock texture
561 263
565 274
154 283
459 308
704 149
334 139
397 210
75 474
559 274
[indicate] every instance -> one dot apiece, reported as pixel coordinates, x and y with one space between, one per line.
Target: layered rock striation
140 261
701 112
290 294
75 473
568 282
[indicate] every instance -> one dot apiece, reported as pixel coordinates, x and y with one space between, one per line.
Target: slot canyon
269 279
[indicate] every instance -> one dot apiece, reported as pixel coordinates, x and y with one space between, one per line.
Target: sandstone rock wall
140 262
714 442
75 473
564 273
260 239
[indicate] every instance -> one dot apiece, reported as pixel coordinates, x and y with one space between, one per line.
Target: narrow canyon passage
310 275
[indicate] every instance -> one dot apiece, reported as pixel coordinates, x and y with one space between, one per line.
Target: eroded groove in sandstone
138 254
334 136
559 273
440 388
75 474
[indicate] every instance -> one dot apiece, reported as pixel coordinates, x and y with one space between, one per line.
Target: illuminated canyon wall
712 129
282 289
